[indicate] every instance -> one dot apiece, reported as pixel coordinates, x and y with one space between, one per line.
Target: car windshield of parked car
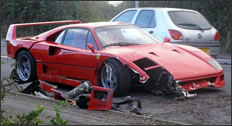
123 35
189 20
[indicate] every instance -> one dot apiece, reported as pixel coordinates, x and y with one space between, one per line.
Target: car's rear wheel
25 67
115 76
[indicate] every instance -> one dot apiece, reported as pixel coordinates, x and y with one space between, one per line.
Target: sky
115 3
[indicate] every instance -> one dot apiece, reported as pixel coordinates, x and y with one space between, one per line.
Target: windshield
123 35
189 20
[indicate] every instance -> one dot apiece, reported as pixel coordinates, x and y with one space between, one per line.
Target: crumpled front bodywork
187 65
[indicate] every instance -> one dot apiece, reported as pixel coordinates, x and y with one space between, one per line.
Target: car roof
95 24
91 25
160 8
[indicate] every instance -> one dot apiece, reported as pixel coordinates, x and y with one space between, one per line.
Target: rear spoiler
11 33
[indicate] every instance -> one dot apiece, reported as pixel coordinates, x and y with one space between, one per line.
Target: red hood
180 63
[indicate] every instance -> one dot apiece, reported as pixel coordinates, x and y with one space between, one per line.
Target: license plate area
206 50
196 85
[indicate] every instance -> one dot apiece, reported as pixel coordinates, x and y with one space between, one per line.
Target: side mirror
166 39
90 46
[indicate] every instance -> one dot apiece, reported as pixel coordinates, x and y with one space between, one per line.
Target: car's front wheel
115 76
25 67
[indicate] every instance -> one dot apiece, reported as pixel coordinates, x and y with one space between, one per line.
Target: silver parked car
175 25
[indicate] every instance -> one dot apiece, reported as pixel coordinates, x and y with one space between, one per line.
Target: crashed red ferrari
111 55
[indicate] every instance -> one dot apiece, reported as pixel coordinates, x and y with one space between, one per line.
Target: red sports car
109 54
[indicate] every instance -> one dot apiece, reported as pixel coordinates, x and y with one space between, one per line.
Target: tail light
217 36
175 34
166 39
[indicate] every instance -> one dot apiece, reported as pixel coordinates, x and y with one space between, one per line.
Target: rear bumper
216 81
214 47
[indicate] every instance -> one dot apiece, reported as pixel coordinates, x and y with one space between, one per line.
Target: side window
91 40
76 38
59 38
126 16
146 19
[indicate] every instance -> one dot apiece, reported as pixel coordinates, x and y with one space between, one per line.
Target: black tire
123 77
25 67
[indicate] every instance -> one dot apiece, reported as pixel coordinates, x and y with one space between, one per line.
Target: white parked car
175 25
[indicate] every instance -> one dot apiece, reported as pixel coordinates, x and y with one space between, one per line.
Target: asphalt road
75 116
212 106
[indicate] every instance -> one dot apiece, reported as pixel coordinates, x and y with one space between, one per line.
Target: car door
68 57
147 21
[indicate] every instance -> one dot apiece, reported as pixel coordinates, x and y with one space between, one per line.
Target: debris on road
87 96
130 105
92 97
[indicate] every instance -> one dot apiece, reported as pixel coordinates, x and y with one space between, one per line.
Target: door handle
150 32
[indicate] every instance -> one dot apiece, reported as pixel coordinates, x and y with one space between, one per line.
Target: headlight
215 64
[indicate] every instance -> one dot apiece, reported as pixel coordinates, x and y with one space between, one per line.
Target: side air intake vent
144 63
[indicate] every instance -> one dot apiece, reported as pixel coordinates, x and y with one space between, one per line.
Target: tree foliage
13 12
218 13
